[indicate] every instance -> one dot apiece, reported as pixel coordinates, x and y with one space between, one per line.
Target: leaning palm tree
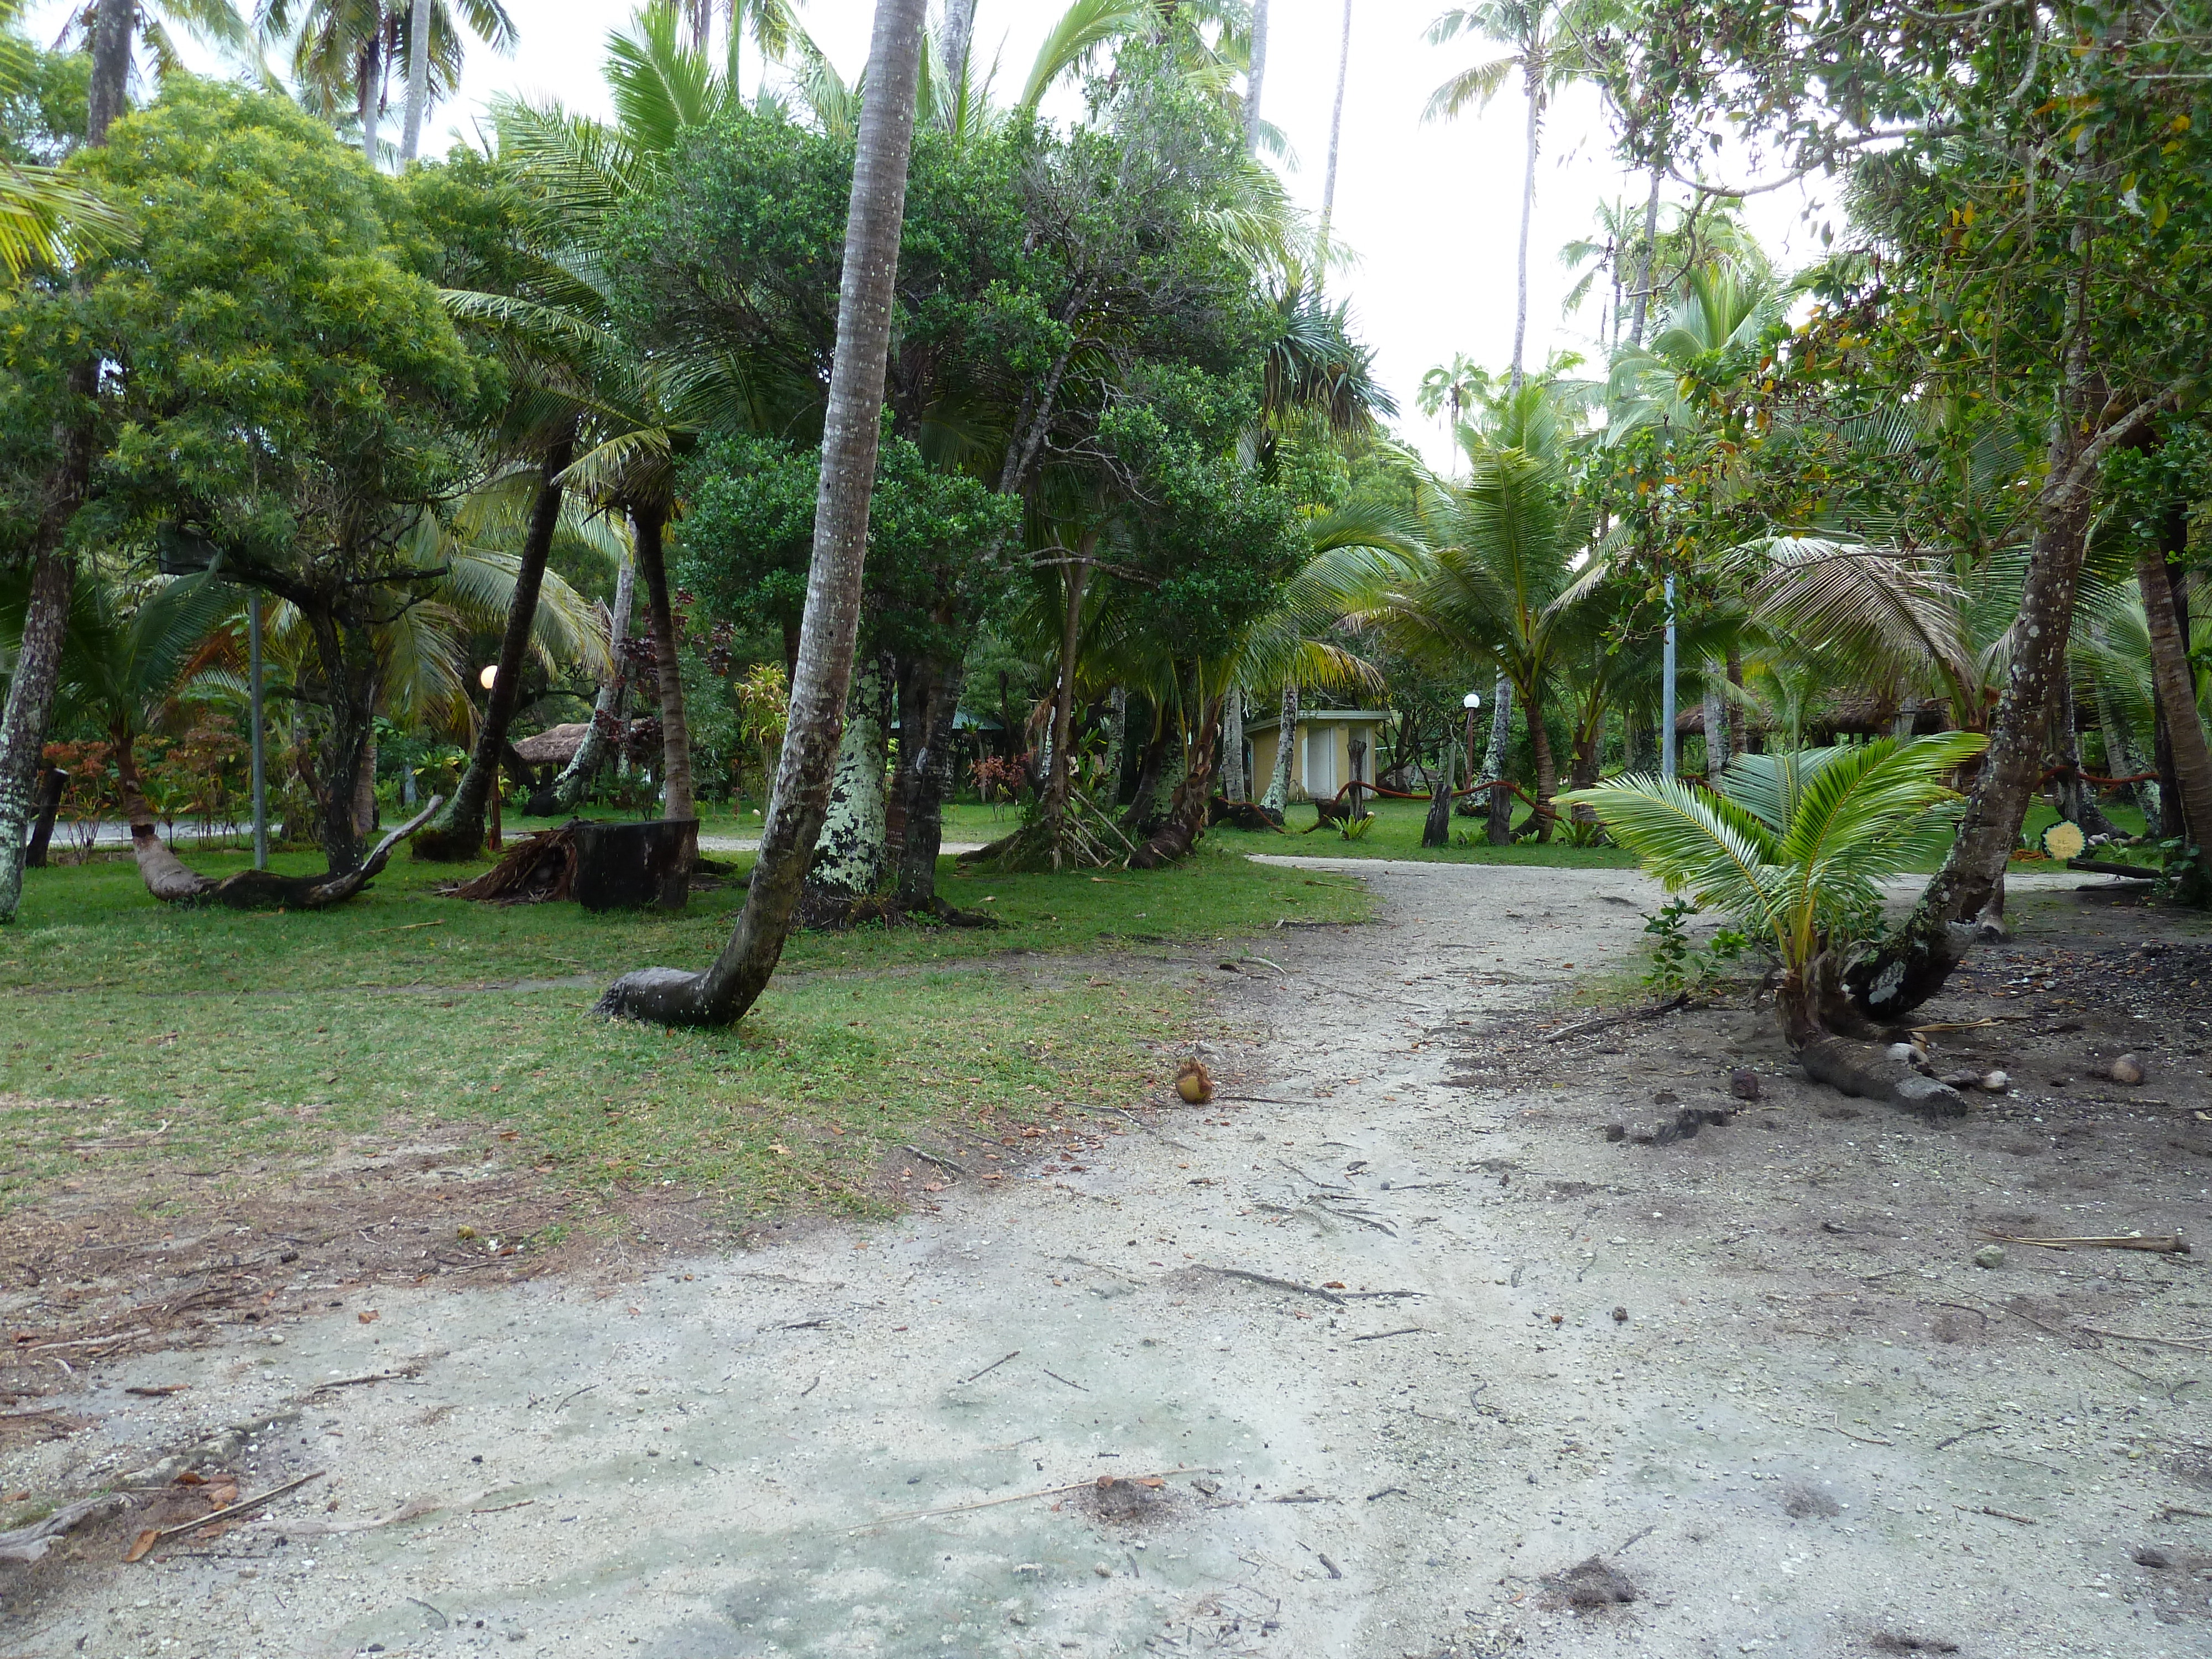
1796 849
1546 49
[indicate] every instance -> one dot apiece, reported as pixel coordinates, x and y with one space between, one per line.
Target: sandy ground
1424 1364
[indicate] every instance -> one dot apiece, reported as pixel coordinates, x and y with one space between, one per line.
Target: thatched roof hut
554 746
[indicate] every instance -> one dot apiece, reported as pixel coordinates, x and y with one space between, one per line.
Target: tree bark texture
1718 746
1060 776
1436 829
576 779
460 835
1548 769
959 29
928 783
52 783
418 78
1117 741
346 662
1500 827
1234 784
1278 798
850 851
850 434
114 25
648 525
1255 76
2175 680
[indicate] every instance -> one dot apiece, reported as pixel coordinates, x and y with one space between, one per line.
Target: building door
1321 762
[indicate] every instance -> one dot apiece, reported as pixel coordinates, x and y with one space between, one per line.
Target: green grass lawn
282 1036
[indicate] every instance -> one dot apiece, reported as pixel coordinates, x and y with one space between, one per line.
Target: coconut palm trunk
1060 778
850 441
418 78
1335 135
1547 766
29 706
1255 75
1532 76
2175 682
1234 784
648 523
1500 827
928 780
1278 798
459 834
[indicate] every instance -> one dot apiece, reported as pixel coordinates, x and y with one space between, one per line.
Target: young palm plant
1795 848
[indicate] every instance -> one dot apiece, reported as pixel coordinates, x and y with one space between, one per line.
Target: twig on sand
224 1514
1070 1383
2002 1515
404 1374
1986 1428
1273 1283
1675 1003
932 1158
2165 1244
1836 1427
2197 1345
992 1366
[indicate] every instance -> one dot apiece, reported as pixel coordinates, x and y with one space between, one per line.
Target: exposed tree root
169 880
1865 1069
822 911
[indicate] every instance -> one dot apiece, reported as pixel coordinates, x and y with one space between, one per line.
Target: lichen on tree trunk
849 853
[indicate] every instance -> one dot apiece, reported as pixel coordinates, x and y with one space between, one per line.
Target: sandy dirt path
1405 1338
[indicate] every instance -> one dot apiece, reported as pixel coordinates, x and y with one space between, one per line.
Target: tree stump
627 867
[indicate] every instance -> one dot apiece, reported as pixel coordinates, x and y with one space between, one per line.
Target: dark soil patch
1589 1583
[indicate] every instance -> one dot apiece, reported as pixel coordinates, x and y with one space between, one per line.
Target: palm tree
1796 849
851 434
344 52
1546 38
1491 578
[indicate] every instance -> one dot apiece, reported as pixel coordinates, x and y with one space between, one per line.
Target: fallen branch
404 1374
2163 1245
2198 1345
148 1540
2104 867
1678 1001
946 1163
1273 1283
28 1544
169 880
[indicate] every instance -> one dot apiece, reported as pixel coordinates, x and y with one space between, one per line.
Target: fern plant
1796 845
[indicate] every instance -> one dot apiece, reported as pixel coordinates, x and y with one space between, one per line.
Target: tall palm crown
345 53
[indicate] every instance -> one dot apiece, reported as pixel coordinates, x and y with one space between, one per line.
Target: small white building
1322 757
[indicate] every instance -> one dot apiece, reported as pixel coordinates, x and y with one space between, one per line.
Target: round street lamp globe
1471 701
491 675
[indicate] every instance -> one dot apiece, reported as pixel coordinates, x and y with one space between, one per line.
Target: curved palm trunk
461 834
850 440
2172 674
1187 808
29 705
591 754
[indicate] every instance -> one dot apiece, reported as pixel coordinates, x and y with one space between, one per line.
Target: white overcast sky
1430 209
